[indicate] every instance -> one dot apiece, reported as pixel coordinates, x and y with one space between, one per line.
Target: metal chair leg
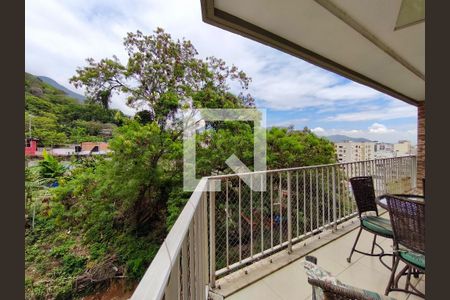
391 279
408 279
416 273
399 275
349 259
373 243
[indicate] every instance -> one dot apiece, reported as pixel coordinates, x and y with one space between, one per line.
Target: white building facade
350 151
355 151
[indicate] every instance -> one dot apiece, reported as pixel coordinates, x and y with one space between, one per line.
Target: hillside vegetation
57 119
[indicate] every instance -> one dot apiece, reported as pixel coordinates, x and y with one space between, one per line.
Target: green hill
58 86
56 118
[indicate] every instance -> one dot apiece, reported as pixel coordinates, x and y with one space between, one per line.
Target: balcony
238 243
290 282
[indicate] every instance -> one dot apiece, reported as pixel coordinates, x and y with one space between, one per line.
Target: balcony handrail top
155 279
300 168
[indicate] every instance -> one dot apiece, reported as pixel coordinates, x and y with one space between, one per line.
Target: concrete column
420 143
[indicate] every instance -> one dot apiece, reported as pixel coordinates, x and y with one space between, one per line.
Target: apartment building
403 148
355 151
384 150
350 151
380 147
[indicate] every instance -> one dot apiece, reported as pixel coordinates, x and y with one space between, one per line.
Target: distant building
384 154
388 147
403 148
30 147
384 150
94 146
355 151
62 151
85 149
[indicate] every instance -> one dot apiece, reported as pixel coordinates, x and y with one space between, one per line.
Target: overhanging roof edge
226 21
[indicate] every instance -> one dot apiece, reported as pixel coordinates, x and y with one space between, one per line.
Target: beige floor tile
414 297
364 271
331 262
362 276
339 250
421 285
374 263
399 295
289 283
259 291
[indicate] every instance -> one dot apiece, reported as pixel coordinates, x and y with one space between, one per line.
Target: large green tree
162 76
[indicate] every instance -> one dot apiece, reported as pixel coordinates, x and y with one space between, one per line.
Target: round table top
381 200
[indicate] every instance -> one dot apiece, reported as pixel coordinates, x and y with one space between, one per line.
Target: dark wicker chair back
335 292
364 193
408 222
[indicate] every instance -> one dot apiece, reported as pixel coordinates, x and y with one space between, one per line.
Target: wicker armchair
339 292
408 224
363 190
327 287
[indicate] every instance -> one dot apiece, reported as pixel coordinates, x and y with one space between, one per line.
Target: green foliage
214 146
175 204
50 167
287 147
56 119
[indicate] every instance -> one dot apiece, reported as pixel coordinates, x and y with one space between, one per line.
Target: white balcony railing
218 233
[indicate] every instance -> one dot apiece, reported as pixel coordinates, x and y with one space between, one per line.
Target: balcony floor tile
366 272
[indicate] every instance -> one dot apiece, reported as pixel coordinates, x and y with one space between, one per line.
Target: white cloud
349 91
318 130
300 122
379 128
395 110
375 132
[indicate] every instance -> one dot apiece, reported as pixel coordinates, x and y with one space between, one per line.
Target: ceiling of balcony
377 43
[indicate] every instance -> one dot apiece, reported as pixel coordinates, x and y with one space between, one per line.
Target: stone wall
420 144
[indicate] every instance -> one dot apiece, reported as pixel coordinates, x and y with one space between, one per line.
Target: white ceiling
311 26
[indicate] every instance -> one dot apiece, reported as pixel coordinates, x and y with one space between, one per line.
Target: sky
60 35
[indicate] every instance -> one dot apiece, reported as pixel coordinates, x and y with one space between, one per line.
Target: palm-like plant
35 188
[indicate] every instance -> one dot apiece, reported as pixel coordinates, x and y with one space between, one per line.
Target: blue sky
60 34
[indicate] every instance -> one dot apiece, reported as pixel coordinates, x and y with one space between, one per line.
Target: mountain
58 86
57 118
338 138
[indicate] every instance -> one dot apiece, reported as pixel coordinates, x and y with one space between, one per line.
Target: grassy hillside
58 119
58 86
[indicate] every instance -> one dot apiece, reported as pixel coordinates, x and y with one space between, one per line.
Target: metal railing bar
227 218
251 215
271 211
281 170
240 222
